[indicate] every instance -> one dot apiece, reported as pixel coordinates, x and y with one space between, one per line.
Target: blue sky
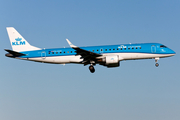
137 90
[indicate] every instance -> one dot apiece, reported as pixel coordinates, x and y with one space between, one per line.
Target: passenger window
105 49
129 48
121 48
71 51
136 48
117 49
49 52
132 48
124 48
113 49
60 52
97 50
109 49
140 47
64 52
67 51
52 52
56 52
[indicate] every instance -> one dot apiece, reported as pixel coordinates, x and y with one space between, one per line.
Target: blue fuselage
146 48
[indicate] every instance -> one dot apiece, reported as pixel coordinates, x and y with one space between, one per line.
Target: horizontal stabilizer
14 53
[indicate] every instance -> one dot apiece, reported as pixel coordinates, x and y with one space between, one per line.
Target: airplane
106 55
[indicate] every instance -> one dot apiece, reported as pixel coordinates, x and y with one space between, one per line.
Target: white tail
18 43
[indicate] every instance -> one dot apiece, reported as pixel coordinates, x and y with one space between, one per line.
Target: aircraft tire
156 64
91 68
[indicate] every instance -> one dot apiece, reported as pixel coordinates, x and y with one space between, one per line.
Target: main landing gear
156 60
91 68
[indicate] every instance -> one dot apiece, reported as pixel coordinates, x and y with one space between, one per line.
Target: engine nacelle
110 61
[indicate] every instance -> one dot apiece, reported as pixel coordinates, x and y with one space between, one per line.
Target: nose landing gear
156 60
91 68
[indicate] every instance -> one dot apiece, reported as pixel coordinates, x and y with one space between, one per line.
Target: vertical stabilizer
18 43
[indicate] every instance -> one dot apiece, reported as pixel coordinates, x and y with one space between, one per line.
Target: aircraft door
43 55
153 48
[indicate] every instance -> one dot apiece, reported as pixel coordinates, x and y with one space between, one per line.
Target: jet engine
110 61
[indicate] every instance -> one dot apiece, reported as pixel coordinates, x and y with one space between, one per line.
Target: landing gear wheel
91 68
156 60
156 64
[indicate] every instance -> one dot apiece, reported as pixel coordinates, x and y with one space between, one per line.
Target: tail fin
18 43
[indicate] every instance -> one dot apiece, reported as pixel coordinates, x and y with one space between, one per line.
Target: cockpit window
163 46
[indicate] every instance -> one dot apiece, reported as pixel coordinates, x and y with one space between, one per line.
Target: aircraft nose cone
172 52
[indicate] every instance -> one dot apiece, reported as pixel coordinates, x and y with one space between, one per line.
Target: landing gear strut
156 60
91 68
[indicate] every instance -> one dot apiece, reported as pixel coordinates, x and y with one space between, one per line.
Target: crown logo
18 39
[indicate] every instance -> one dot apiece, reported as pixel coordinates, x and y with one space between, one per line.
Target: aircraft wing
85 54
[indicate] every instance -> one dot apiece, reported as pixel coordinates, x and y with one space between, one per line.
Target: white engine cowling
112 61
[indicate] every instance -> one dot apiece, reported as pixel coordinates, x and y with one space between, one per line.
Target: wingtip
67 40
70 44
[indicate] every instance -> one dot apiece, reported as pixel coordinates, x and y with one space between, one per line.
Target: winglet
71 45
